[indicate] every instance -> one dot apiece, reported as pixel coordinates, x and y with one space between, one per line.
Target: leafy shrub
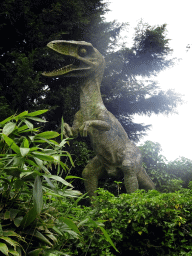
38 211
141 223
26 183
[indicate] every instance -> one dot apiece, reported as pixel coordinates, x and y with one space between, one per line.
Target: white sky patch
172 132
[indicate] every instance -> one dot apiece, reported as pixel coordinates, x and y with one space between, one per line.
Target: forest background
26 28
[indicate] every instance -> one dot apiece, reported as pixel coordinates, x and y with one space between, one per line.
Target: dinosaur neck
90 95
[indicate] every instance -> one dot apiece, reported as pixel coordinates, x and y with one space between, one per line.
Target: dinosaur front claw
83 130
67 131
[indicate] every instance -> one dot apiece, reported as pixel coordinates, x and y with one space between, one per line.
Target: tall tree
127 87
27 26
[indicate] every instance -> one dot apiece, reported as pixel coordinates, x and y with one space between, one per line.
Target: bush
142 223
38 211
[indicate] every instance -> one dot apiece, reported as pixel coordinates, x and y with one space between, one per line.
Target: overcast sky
174 132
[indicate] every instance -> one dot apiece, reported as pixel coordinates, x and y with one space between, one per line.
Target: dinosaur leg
144 181
91 174
130 177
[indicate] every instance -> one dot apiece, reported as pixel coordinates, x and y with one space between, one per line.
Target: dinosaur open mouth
74 66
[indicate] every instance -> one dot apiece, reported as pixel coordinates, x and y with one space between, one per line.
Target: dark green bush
142 223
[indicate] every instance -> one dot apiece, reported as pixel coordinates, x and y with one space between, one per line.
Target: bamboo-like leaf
30 162
25 174
22 128
52 237
13 213
41 237
24 151
11 144
35 252
10 233
17 221
6 120
63 142
4 249
29 124
26 143
38 112
8 128
21 115
43 156
7 215
62 128
29 218
48 181
37 119
48 135
73 177
57 178
14 253
70 224
108 238
9 241
71 193
38 195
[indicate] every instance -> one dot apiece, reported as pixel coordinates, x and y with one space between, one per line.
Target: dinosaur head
84 58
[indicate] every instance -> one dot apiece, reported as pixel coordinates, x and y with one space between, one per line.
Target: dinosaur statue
115 152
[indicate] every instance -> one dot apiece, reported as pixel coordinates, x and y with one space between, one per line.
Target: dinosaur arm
74 130
98 124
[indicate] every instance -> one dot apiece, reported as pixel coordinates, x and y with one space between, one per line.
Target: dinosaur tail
144 181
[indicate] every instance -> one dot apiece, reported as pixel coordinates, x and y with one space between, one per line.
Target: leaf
40 164
11 144
49 182
23 128
43 156
29 124
7 215
10 241
25 174
70 224
37 119
24 151
73 177
42 238
47 135
8 128
38 112
63 142
108 238
17 221
13 213
28 218
140 232
4 248
21 115
26 143
14 252
10 233
38 195
35 252
57 178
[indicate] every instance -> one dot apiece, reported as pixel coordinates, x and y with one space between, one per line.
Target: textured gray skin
114 151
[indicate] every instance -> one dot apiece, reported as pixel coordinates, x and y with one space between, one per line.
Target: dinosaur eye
82 52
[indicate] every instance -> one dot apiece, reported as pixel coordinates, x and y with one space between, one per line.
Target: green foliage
35 205
142 223
168 176
26 183
32 24
182 169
